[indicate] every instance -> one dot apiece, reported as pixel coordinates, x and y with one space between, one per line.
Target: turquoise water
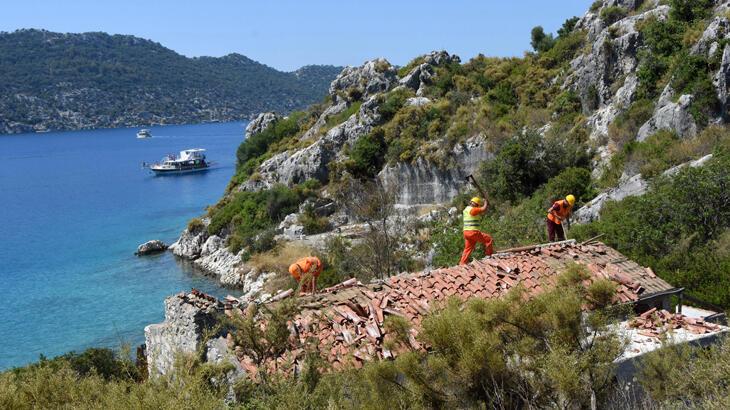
75 205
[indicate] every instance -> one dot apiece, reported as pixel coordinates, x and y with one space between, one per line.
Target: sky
287 34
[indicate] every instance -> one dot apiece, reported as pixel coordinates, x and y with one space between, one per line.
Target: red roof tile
357 311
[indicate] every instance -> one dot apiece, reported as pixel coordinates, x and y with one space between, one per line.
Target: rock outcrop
210 253
421 75
423 182
672 116
633 186
187 316
261 122
150 247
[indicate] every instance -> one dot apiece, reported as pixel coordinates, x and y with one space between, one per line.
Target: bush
526 162
612 14
246 214
690 10
257 145
368 154
312 223
195 225
392 102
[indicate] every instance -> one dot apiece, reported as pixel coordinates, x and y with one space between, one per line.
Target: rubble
655 323
346 322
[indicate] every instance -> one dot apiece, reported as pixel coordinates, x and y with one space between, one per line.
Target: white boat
144 133
189 160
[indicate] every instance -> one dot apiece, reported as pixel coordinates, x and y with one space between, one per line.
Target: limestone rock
722 81
417 101
633 186
424 182
375 76
673 117
150 247
420 76
718 29
181 332
312 162
189 244
261 122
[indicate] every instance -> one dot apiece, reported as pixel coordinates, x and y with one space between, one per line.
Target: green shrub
258 144
368 154
246 214
690 10
344 115
195 225
393 101
526 162
312 223
596 5
612 14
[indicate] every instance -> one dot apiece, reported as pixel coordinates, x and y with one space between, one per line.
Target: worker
472 235
557 214
305 271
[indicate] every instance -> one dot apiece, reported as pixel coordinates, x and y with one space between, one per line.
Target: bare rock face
150 247
421 75
633 186
708 44
722 82
261 122
375 76
211 254
673 117
312 162
186 318
423 182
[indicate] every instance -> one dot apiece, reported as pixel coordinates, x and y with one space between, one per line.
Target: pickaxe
470 178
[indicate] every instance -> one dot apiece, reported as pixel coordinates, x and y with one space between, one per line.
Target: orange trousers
471 238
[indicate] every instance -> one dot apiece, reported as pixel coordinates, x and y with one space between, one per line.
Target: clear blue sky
287 34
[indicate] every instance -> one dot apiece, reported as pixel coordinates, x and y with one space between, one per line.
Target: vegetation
247 215
124 78
470 363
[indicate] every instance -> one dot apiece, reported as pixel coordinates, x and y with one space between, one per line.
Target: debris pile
346 322
654 323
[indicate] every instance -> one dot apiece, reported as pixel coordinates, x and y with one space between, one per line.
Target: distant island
64 81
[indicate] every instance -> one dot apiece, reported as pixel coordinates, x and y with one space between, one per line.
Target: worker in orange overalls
557 214
307 269
472 235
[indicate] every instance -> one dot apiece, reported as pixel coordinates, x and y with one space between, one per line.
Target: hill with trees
90 80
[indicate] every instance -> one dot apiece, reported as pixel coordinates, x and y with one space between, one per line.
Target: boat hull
161 172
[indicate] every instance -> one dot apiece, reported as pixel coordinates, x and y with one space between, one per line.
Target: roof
346 321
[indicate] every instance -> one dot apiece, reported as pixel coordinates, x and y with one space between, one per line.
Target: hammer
470 178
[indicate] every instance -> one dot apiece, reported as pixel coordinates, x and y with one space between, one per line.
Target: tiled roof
346 321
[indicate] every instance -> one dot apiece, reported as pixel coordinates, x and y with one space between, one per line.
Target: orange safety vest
559 209
304 265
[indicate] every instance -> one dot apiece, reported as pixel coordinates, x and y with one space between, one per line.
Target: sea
75 206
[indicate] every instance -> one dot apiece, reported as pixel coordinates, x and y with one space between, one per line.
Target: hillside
605 108
90 80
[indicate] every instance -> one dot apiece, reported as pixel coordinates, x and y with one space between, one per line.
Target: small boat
189 160
144 133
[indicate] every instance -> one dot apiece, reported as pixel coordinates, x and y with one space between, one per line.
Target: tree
373 203
540 41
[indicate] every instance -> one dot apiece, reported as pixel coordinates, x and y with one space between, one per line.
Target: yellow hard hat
477 200
570 199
